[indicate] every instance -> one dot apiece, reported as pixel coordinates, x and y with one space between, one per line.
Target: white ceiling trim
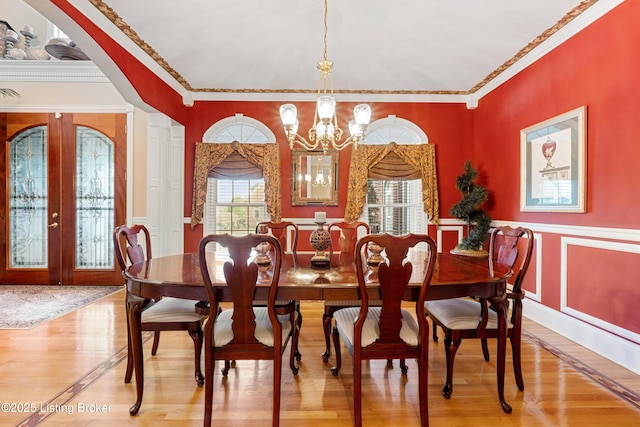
582 21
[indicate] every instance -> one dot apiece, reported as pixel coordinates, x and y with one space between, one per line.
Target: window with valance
236 161
392 161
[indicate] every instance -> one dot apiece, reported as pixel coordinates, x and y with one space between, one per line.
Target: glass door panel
28 191
94 200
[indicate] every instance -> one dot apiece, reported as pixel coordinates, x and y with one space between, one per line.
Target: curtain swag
422 157
208 156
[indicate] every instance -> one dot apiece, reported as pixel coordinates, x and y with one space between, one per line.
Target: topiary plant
468 210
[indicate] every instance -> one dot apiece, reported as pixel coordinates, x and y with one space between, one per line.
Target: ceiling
222 49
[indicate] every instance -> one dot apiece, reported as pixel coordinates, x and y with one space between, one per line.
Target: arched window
236 198
239 128
394 129
394 205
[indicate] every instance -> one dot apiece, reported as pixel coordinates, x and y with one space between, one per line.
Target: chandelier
325 132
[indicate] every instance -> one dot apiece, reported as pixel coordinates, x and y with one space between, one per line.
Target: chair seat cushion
172 310
346 317
223 332
460 314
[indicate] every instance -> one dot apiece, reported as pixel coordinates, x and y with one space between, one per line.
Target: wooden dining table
180 276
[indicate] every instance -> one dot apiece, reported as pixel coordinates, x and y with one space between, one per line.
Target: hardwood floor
69 372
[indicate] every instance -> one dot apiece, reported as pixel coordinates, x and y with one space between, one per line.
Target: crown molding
51 71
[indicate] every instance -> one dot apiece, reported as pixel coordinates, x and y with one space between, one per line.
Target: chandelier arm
297 139
351 140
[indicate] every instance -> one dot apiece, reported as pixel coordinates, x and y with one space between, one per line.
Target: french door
64 182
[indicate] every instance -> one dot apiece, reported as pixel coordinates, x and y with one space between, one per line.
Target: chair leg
326 326
129 372
450 348
197 337
485 349
435 331
277 380
336 345
403 366
517 361
294 346
299 322
156 342
357 392
423 384
208 385
225 370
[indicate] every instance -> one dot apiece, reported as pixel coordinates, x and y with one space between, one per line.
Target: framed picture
552 164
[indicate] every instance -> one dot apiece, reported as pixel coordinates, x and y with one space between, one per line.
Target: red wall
598 68
446 125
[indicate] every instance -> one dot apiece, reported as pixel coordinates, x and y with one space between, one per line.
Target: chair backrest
279 231
126 244
513 247
241 277
394 275
347 240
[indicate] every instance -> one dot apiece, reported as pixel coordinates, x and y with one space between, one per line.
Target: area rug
26 306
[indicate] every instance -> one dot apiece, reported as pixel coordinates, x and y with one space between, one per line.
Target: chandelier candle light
320 240
325 132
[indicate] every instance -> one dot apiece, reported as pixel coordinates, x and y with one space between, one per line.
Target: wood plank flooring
69 372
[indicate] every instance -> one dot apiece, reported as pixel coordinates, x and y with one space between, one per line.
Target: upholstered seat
462 313
371 328
223 330
172 310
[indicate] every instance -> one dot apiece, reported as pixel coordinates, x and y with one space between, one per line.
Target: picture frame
553 164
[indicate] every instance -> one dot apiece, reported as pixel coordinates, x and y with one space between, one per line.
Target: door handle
53 225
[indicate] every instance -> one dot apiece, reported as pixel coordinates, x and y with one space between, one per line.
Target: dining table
180 276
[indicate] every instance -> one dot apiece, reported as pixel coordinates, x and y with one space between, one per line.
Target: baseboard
612 347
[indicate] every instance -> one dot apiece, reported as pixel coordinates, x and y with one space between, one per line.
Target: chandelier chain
325 29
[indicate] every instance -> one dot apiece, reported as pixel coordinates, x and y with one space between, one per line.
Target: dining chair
280 230
464 318
387 331
245 331
345 253
166 314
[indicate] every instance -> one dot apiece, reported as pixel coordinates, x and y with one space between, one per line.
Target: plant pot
470 252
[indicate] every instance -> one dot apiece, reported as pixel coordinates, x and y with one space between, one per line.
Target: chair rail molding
625 234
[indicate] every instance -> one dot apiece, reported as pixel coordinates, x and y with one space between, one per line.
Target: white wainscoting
565 242
617 344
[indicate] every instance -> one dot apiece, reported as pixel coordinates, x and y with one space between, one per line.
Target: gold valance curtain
265 156
421 157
